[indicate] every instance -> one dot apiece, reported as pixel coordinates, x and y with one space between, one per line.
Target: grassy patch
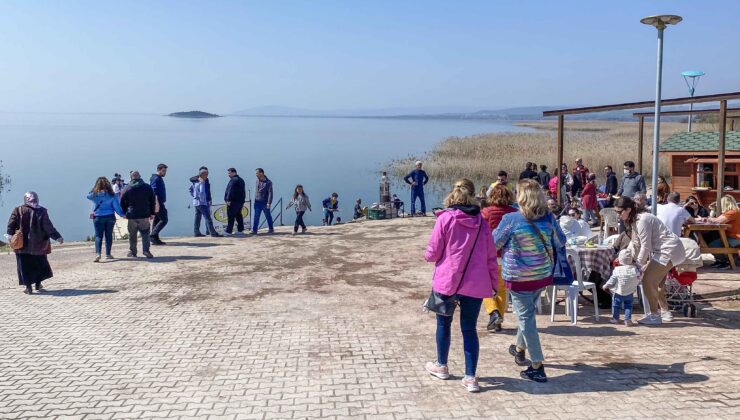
480 157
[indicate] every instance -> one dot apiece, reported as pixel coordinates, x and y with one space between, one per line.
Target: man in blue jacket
200 191
160 219
234 197
417 179
262 200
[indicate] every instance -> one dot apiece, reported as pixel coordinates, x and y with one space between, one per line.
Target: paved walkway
326 325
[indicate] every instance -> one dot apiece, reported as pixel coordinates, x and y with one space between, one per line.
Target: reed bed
480 157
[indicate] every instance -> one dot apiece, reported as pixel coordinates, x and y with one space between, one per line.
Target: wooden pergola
722 111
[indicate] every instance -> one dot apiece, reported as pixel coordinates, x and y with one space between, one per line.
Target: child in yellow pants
496 307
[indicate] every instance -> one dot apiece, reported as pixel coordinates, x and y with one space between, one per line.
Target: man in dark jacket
262 200
138 201
612 185
234 196
529 172
417 179
544 177
160 191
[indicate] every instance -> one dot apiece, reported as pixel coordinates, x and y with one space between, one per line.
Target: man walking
138 201
262 201
234 196
160 219
200 190
632 182
417 179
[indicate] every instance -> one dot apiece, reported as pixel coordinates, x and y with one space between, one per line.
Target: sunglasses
620 211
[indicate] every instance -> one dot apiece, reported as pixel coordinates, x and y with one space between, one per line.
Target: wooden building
693 161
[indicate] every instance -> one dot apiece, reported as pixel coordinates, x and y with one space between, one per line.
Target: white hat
418 162
625 256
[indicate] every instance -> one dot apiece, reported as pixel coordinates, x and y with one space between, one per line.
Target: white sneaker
666 316
651 319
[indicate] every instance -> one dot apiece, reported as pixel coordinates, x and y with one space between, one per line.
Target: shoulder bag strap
542 238
475 242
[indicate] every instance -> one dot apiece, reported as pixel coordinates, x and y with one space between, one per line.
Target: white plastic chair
538 305
571 298
609 219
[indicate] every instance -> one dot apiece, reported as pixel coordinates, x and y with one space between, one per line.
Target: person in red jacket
588 201
499 203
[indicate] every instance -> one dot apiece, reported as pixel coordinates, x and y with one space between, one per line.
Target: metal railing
274 208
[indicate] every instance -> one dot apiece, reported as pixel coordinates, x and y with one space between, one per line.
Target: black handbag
443 304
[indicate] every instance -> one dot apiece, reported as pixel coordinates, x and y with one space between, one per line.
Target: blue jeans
417 193
328 216
524 304
469 310
259 208
104 227
205 213
717 243
617 302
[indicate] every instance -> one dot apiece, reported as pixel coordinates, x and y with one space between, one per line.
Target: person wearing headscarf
36 227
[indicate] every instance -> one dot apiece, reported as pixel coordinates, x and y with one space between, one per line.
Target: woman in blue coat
105 208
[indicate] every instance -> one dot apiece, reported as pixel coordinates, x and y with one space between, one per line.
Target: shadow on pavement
196 244
588 331
74 292
612 377
168 259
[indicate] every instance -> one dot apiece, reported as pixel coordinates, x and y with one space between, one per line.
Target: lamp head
661 21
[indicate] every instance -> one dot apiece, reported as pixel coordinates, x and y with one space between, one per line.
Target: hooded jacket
450 247
263 191
137 200
632 184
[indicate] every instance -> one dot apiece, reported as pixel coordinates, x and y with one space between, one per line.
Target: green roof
700 141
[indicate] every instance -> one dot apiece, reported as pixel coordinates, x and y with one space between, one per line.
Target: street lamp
660 22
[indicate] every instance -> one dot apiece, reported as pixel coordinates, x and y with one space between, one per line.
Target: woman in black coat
33 220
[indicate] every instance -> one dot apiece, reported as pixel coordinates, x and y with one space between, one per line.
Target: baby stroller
680 280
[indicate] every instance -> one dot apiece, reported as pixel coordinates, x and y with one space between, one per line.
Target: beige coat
654 241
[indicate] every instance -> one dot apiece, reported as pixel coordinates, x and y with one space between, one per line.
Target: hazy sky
223 56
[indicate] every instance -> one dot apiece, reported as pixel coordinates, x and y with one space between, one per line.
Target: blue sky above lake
225 56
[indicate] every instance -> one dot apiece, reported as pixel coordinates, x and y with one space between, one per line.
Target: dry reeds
480 157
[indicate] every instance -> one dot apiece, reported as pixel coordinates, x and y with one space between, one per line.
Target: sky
224 56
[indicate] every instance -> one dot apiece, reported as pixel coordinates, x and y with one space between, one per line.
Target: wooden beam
721 160
561 134
685 112
640 137
644 104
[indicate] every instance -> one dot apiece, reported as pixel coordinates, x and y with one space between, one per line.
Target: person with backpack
466 271
33 227
526 239
105 208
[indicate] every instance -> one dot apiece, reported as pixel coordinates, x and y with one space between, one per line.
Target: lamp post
659 22
691 78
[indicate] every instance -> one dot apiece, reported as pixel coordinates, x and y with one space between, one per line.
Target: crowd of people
505 241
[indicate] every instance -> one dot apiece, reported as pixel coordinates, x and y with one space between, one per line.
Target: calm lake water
60 155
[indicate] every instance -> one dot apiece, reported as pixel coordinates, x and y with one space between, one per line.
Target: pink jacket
449 247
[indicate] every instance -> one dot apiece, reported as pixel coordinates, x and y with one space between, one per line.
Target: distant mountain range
449 113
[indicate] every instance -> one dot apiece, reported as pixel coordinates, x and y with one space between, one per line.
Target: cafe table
702 228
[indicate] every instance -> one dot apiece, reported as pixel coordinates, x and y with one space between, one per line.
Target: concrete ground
324 325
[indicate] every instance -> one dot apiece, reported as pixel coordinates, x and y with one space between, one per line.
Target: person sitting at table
730 217
573 226
659 250
694 208
553 207
672 215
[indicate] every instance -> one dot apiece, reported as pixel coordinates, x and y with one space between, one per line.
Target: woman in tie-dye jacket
527 268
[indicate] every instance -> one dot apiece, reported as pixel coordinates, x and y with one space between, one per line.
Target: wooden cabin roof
700 141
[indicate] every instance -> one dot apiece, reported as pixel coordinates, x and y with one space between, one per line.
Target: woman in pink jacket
465 265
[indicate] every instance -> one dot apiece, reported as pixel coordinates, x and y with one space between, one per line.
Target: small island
193 114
